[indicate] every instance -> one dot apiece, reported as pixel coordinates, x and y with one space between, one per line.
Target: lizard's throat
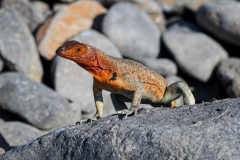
97 72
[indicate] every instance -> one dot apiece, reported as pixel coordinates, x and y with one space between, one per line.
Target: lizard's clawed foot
94 118
130 111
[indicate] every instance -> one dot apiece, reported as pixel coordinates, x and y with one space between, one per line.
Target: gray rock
98 40
17 46
194 52
152 7
172 79
163 66
132 31
26 11
18 133
201 131
74 83
228 72
180 6
35 103
222 20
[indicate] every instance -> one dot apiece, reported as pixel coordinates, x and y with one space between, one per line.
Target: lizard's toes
131 111
86 120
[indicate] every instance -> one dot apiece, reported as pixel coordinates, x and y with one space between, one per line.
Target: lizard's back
134 72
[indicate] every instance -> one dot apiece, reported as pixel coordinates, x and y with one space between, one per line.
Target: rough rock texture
132 30
222 20
35 103
194 52
17 46
98 40
163 66
18 133
228 72
202 131
26 11
66 23
74 83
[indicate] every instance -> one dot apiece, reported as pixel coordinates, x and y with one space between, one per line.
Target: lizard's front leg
97 92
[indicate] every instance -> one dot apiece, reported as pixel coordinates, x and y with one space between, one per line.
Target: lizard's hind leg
176 90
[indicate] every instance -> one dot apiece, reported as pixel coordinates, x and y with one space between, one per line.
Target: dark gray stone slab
132 31
17 45
201 131
35 103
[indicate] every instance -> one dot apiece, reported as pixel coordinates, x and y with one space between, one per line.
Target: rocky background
197 41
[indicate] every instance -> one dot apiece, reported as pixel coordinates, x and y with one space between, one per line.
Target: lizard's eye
78 50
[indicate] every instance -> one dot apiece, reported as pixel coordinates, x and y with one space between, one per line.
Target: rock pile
196 41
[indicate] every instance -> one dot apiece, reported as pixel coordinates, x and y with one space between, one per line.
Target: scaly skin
125 77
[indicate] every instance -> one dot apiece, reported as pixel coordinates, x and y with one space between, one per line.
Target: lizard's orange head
72 50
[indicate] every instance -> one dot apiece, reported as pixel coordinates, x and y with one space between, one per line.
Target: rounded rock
17 45
34 102
195 53
222 20
132 31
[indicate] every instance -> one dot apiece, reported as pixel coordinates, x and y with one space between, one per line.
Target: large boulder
17 45
35 103
201 131
132 31
222 20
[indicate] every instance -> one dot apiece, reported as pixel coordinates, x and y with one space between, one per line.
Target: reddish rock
66 23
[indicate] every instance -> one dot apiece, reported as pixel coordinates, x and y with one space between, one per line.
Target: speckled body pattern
132 76
118 75
125 77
